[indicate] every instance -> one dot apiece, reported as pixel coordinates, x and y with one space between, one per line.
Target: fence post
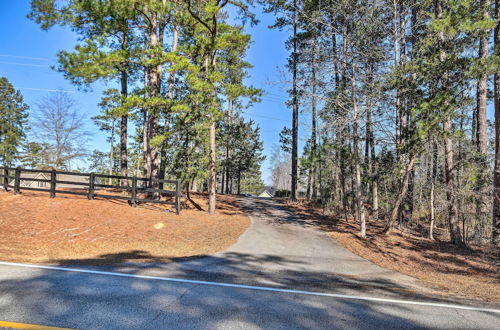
17 181
133 193
91 186
53 183
177 197
5 179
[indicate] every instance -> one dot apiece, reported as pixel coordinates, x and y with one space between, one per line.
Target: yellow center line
15 325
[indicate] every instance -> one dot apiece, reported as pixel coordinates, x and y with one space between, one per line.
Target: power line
25 57
266 117
273 98
42 89
48 90
273 101
25 64
277 95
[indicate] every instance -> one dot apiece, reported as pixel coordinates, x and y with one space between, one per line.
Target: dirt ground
464 272
71 229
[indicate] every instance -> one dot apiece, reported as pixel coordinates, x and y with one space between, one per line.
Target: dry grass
71 229
464 272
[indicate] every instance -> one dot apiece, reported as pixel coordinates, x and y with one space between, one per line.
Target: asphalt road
283 273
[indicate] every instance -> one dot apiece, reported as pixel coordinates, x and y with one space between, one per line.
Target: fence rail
13 177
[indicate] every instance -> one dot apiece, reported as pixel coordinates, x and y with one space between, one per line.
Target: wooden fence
50 181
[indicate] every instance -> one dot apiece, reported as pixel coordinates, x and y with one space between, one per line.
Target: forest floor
472 272
73 230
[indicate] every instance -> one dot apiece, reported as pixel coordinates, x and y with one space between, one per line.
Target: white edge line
251 287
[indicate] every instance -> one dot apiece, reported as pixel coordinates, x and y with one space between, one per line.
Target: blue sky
27 53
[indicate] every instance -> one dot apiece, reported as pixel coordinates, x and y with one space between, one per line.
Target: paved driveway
282 273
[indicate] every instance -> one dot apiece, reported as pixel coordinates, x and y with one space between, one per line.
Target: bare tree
280 169
59 125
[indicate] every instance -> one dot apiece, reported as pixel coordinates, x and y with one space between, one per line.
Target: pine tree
105 51
13 119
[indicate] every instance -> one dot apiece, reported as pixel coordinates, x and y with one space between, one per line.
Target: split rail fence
88 184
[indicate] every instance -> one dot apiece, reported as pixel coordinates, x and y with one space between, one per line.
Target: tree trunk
211 185
312 170
123 132
145 145
228 151
360 203
295 115
403 115
124 118
481 124
433 173
212 143
155 36
168 114
227 168
352 169
370 161
403 187
432 216
370 147
171 79
495 232
111 151
145 120
455 235
239 182
396 64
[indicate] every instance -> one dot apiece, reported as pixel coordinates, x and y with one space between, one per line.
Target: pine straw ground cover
463 272
71 229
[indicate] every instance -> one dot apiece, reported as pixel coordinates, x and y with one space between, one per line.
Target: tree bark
495 232
403 187
239 182
360 203
168 114
211 188
370 151
213 148
375 179
433 173
228 151
454 227
312 170
155 75
123 132
295 114
431 216
145 130
481 124
396 64
145 145
111 151
124 119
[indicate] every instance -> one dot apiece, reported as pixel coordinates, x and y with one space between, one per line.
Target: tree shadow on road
82 300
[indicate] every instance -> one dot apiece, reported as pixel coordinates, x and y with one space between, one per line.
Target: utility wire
266 117
26 64
42 89
25 57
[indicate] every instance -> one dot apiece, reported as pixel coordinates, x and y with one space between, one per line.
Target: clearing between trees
72 230
465 272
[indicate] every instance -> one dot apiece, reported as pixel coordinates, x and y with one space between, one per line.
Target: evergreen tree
13 119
